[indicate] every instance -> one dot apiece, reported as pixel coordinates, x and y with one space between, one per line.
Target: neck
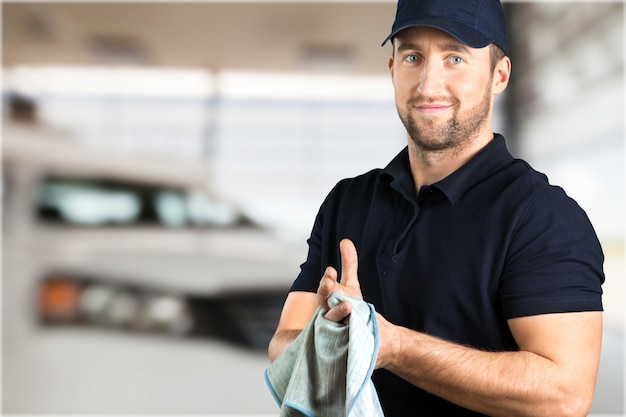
429 167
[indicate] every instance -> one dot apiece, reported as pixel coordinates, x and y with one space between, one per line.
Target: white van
129 288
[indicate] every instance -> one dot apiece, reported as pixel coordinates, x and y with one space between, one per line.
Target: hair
496 55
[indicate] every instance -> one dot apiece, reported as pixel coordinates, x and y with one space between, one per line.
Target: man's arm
553 374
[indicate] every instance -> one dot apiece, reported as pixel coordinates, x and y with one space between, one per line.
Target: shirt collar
482 165
397 175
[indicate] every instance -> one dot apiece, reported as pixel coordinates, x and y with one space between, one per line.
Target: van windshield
104 202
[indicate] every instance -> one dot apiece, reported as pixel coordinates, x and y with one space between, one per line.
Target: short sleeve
554 263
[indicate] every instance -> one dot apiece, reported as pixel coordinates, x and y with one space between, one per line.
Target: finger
349 263
339 313
327 286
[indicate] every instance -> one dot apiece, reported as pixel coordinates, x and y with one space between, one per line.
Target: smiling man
486 279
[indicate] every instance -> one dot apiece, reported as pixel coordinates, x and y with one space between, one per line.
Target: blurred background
162 164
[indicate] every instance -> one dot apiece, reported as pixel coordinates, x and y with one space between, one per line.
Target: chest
436 266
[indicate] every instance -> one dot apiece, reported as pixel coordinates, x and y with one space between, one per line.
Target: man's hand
300 306
349 284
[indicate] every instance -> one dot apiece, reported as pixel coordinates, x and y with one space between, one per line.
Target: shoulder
541 199
529 191
366 183
539 216
355 188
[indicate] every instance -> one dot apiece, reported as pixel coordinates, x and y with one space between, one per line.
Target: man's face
443 89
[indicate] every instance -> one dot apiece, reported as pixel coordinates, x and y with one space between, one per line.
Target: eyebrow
442 47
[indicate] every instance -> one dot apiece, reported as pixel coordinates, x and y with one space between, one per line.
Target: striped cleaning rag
326 371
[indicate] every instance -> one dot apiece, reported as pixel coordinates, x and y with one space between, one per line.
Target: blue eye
412 58
456 60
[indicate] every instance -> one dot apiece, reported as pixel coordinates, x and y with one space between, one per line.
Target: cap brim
463 33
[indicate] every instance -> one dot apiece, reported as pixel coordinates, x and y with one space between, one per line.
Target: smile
432 108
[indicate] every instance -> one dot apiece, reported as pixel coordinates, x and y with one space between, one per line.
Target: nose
431 79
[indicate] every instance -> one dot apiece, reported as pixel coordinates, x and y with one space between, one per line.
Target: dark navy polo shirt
492 241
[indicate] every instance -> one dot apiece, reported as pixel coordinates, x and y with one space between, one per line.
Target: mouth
432 108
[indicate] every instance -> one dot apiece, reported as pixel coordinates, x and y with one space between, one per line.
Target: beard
432 136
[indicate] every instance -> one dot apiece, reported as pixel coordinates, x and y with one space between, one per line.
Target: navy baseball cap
475 23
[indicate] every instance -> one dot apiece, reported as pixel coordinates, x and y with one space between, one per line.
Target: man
485 278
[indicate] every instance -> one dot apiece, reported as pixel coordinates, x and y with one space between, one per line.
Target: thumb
349 263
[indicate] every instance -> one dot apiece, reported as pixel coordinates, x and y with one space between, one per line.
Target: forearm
281 340
298 310
492 383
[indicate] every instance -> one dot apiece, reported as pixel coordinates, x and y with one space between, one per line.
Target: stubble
431 136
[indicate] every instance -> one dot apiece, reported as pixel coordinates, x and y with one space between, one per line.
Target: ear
390 65
501 75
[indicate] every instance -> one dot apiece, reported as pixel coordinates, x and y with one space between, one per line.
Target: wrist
389 343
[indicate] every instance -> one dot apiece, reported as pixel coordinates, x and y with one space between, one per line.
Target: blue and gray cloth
326 371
